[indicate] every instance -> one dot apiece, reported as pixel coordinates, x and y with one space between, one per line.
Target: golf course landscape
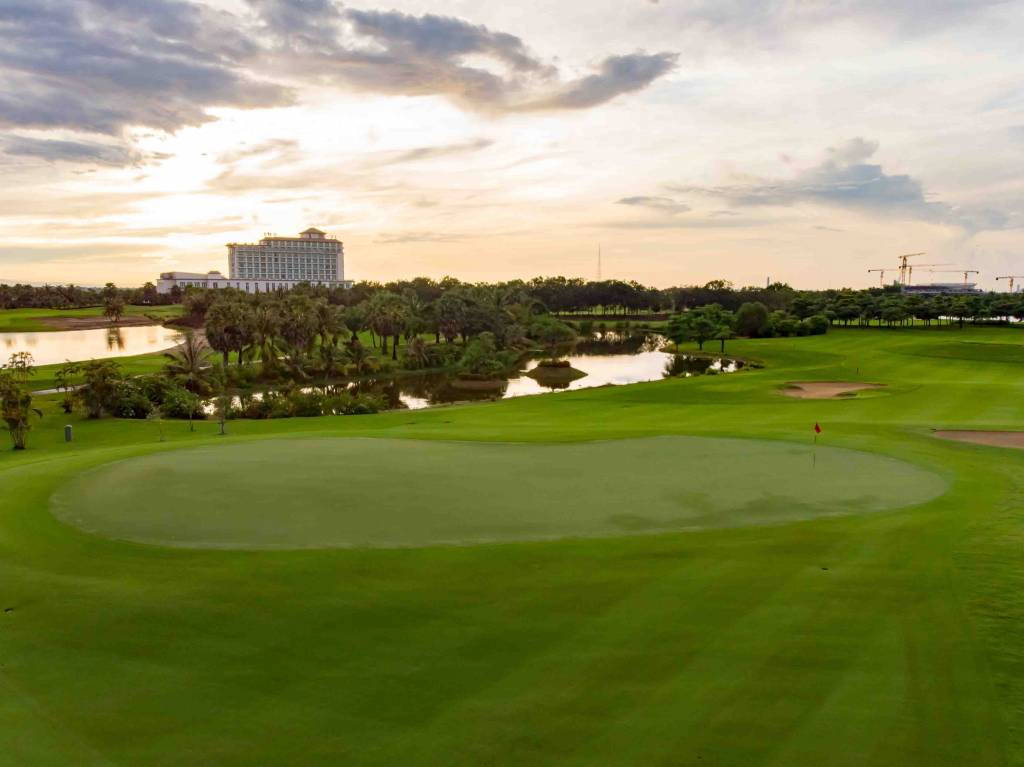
670 573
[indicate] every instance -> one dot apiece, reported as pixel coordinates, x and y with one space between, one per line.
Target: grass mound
349 492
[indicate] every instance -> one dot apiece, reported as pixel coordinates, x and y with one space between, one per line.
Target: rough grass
891 638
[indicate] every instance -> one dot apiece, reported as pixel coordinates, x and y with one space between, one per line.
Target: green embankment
32 320
889 638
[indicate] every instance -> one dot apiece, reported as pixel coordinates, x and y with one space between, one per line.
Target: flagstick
814 452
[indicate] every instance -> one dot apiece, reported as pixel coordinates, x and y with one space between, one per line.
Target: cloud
102 66
846 179
748 22
113 155
401 238
660 204
430 152
390 52
108 66
616 75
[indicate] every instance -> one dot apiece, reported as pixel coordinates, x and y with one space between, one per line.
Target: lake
77 345
611 360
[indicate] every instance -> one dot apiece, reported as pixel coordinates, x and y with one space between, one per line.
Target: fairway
660 574
379 492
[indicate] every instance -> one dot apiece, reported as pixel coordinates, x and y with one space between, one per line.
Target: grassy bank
35 320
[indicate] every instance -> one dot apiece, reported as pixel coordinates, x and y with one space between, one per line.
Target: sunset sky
802 140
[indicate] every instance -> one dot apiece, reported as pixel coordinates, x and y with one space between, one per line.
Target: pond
76 345
610 359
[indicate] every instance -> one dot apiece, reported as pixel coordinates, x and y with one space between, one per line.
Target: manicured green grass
890 638
31 320
244 495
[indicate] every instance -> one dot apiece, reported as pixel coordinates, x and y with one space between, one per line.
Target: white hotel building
273 263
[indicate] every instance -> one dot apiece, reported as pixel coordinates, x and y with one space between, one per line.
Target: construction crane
964 272
904 265
910 270
881 276
1011 278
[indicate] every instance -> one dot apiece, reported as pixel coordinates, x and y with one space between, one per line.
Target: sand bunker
826 389
991 438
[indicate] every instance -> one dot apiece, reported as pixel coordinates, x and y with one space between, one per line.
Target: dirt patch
990 438
826 389
95 323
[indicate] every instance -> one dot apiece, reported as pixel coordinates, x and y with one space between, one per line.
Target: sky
803 141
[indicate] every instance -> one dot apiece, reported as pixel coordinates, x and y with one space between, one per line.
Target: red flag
817 429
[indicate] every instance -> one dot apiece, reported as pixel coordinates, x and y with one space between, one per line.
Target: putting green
377 492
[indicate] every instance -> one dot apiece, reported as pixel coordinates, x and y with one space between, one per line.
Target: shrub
816 325
180 403
752 319
127 400
154 387
306 404
443 355
481 360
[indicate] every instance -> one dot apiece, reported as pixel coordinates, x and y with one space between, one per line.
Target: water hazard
76 345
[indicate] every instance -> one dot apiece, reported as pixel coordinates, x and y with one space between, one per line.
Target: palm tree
386 316
189 363
113 309
266 323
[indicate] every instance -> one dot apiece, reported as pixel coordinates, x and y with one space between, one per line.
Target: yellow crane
1011 278
904 266
881 276
964 272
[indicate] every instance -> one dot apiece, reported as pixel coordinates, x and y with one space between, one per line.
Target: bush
816 325
752 319
180 403
551 331
443 355
480 360
127 400
306 404
154 387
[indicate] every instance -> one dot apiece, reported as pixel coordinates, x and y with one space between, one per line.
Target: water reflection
76 345
604 361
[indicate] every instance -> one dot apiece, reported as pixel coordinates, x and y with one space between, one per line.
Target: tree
113 309
16 407
700 325
189 363
229 328
752 319
450 311
63 380
21 366
101 380
266 322
385 314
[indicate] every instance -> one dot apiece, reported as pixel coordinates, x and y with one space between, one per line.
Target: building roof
312 230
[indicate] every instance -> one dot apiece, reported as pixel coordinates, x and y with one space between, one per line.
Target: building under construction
942 289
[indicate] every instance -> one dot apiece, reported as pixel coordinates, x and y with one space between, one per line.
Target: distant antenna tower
598 263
